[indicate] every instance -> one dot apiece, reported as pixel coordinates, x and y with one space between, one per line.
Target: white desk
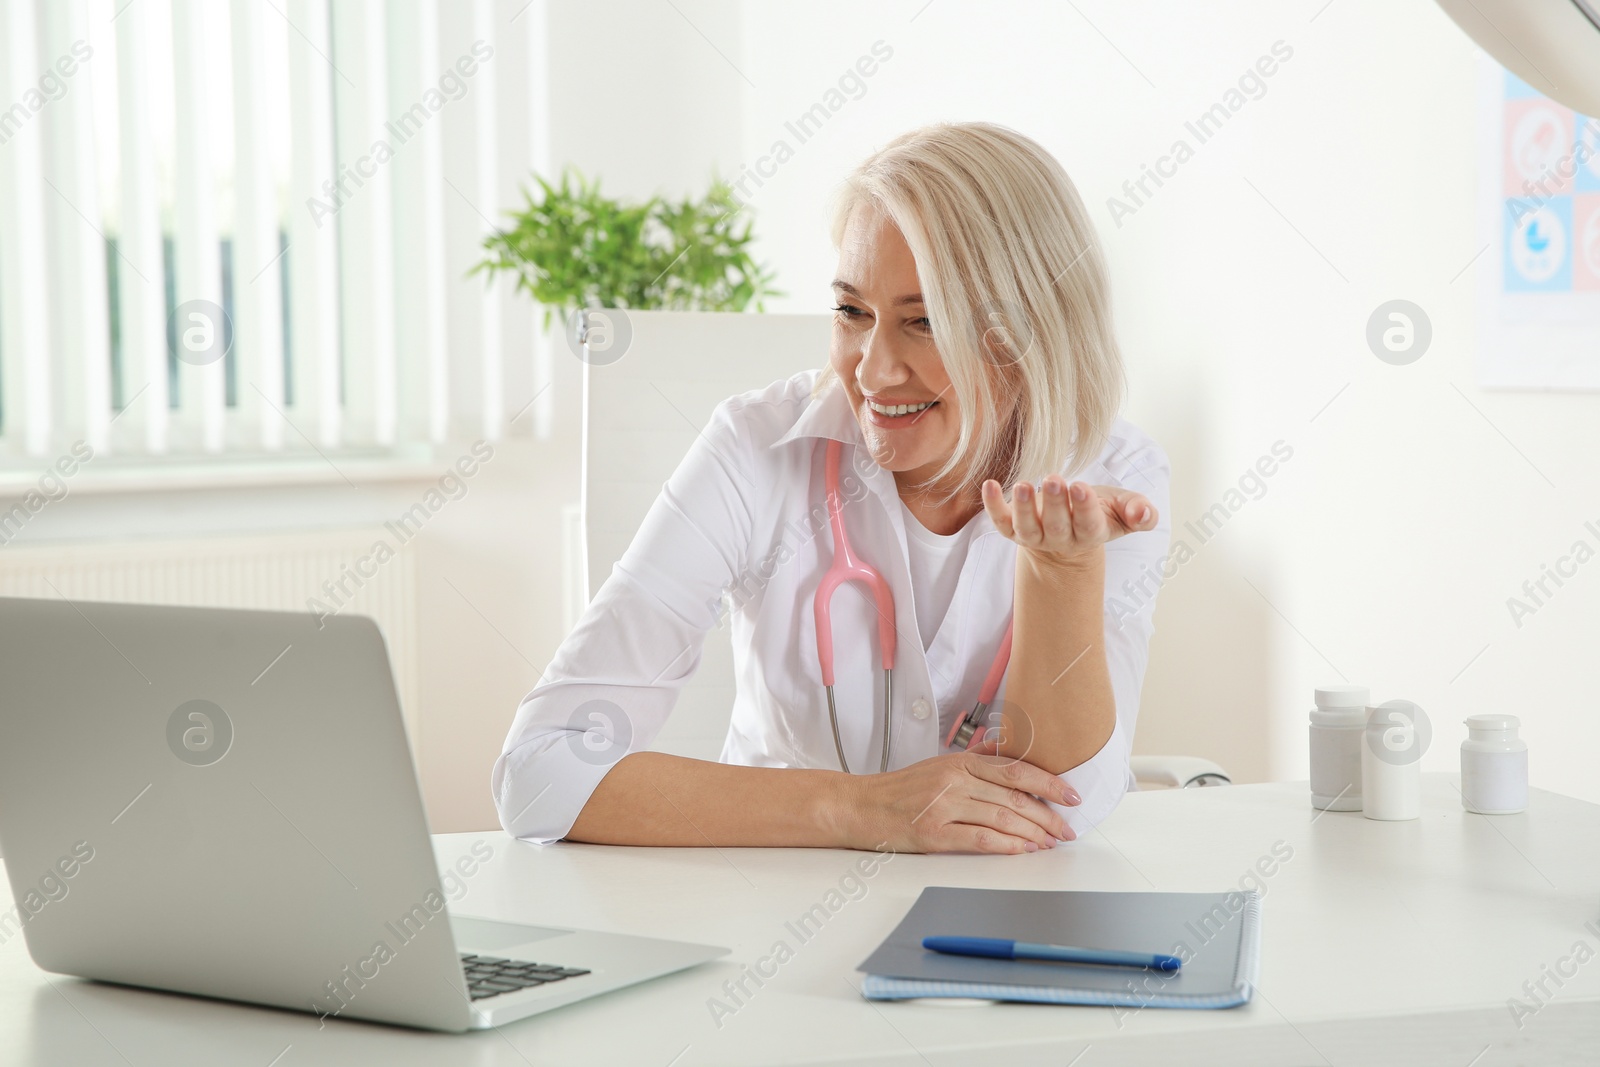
1382 943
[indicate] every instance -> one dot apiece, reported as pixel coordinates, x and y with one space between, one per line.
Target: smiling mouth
897 410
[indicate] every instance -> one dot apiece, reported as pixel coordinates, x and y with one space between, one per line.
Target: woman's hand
962 802
1063 522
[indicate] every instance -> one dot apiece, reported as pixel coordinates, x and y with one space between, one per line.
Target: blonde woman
972 351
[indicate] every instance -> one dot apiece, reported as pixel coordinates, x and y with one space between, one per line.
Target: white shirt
934 561
744 514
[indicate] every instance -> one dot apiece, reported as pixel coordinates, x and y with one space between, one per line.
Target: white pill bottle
1338 723
1397 735
1494 766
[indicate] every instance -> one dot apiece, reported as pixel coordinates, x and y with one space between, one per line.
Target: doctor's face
884 353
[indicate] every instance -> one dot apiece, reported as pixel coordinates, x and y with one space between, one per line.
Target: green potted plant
575 248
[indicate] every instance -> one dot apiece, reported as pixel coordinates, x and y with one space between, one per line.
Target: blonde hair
1015 289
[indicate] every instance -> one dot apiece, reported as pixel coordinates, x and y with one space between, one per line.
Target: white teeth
898 409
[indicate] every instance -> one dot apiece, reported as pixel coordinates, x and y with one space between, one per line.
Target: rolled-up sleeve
1135 565
615 678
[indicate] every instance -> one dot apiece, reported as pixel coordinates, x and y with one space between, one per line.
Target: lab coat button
919 708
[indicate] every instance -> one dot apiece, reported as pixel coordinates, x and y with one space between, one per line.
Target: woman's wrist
836 809
1056 567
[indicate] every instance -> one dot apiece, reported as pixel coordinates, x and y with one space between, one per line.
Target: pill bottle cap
1343 696
1486 726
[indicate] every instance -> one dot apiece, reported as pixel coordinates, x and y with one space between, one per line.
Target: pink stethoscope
968 730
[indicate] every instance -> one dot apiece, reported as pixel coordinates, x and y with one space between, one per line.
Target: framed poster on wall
1539 213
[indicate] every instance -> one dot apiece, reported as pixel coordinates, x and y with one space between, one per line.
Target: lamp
1553 45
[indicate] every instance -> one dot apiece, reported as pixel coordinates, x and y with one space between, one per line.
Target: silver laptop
224 803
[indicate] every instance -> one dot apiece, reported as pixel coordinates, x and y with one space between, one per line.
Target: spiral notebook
1217 935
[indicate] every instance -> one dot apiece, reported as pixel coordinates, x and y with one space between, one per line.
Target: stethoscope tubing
848 567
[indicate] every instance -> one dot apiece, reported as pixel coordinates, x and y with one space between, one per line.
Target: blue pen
1002 949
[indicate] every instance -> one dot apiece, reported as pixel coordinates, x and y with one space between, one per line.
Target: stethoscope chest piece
970 729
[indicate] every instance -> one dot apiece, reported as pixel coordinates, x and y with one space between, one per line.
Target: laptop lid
219 802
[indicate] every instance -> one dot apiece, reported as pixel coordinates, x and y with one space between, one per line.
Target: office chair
641 411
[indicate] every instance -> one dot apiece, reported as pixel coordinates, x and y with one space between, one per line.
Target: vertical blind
225 228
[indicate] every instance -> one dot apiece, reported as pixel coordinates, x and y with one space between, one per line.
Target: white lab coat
744 513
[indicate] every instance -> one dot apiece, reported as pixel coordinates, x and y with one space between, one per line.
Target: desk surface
1382 942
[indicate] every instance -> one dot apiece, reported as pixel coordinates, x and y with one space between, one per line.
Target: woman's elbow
538 793
1101 782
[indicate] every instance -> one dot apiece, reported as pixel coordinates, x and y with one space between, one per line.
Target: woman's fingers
1132 511
1056 515
1060 517
994 501
1077 513
1088 518
1012 818
1020 774
1025 514
1005 819
975 803
1023 805
965 837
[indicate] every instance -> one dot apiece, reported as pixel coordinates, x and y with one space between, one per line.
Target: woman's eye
849 311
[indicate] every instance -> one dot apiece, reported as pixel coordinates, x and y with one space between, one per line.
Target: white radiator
282 572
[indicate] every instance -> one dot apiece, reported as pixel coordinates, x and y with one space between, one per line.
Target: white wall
1385 549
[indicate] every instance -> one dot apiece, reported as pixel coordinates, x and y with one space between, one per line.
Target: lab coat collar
828 416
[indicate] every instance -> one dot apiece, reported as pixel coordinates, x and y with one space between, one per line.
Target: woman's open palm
1063 520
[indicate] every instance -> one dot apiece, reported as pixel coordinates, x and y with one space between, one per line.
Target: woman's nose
880 368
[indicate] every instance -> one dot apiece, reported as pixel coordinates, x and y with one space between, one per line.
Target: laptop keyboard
489 976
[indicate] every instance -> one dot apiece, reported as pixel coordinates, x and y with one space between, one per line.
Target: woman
972 349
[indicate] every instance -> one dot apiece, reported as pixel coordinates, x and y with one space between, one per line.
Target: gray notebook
1217 935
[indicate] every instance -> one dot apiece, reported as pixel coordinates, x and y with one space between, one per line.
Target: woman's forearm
652 798
1059 706
1059 711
